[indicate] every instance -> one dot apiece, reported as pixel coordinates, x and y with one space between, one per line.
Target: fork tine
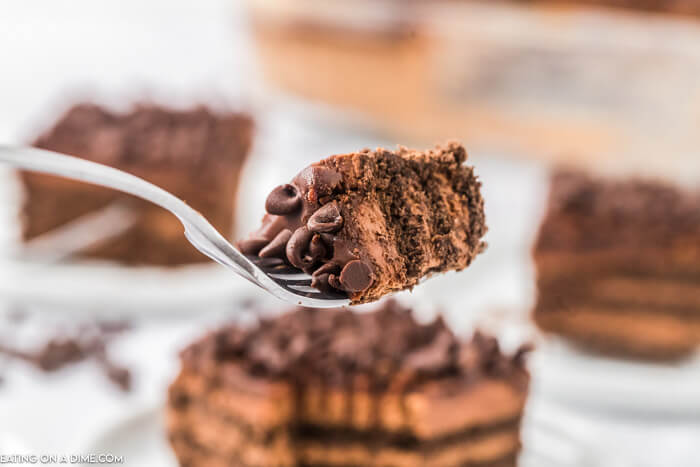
304 288
294 283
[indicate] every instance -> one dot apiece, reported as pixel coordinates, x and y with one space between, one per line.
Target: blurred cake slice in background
375 222
196 154
585 81
367 56
618 266
680 7
339 388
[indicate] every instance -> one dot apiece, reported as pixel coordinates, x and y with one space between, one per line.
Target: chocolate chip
272 225
326 219
321 181
317 249
328 268
334 282
285 199
297 247
276 248
251 246
320 278
356 276
320 282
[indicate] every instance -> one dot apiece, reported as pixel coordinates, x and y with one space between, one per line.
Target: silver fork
285 283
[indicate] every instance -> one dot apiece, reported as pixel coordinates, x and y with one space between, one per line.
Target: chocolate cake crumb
59 352
119 375
65 348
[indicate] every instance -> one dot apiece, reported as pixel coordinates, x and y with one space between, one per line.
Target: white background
178 52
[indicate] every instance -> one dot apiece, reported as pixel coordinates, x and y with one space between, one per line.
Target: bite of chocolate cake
340 388
375 222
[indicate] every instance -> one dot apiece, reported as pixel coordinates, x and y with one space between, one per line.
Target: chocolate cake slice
375 222
618 266
197 155
339 388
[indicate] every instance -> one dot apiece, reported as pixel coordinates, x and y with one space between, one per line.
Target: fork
284 282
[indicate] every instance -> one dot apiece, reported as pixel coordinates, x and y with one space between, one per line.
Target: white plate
565 374
142 441
108 288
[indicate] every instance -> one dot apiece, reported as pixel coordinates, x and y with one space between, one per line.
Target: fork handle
198 230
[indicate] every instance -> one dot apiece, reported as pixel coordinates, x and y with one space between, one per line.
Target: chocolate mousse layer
618 266
339 388
374 222
195 154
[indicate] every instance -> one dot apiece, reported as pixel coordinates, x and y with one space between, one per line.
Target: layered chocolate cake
197 155
374 222
618 266
339 388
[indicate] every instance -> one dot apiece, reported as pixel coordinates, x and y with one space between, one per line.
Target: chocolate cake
197 155
339 388
375 222
618 266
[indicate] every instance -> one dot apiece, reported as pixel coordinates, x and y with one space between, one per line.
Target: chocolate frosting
589 213
302 228
388 347
149 135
